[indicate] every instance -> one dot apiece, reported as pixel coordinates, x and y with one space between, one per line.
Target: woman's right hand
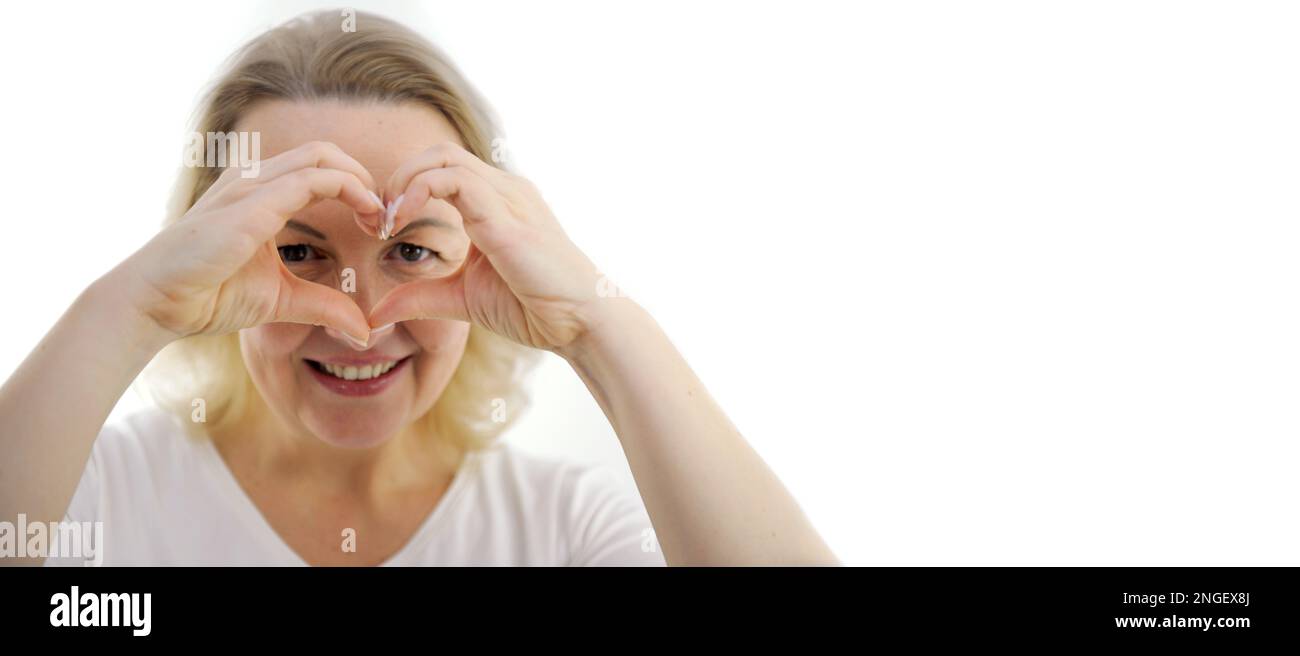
218 270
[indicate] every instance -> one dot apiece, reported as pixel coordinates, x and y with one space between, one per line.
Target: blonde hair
312 58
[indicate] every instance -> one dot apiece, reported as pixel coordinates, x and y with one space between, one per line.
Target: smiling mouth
354 373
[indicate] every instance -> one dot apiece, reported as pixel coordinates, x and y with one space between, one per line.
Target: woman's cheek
269 349
442 344
278 339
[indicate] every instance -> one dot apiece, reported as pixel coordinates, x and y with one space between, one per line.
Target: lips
357 378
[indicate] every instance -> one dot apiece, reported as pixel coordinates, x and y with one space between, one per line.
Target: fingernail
382 329
378 201
356 343
390 215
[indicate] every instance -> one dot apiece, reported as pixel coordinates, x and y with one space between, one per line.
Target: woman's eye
295 252
412 253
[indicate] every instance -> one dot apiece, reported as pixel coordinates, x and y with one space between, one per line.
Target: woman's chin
352 432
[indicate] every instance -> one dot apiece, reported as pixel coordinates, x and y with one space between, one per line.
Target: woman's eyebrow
305 229
433 223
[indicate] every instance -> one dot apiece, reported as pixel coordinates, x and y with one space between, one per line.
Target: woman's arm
712 499
54 405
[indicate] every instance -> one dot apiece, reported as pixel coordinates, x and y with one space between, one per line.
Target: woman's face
297 367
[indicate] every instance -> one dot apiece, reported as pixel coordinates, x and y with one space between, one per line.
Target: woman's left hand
522 278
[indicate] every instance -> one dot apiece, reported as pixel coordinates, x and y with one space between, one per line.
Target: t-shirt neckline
252 516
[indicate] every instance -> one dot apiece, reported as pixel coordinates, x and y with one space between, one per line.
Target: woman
342 328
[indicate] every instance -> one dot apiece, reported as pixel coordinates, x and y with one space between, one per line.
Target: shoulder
148 440
150 429
600 517
510 464
132 457
565 485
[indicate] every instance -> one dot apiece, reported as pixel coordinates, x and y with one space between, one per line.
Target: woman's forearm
54 405
712 499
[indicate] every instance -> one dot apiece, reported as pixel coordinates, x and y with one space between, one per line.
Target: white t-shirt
166 498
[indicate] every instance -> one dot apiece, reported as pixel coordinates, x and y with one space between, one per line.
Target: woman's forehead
378 135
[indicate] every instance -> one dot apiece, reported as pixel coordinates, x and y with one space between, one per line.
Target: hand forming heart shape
217 269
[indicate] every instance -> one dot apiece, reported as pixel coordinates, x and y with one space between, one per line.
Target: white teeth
358 373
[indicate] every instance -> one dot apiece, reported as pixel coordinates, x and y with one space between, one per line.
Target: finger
214 195
327 155
318 155
290 193
433 298
371 224
437 157
444 214
313 154
302 301
476 200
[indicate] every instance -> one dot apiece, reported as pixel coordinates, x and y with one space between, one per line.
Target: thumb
434 298
302 301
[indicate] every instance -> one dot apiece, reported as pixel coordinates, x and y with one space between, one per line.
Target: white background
984 282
